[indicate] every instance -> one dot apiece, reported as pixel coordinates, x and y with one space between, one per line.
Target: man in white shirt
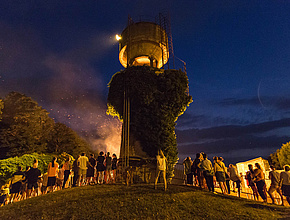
82 164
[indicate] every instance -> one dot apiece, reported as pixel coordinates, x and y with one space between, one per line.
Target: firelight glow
118 37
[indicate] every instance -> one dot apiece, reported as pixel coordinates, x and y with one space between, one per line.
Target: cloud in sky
228 141
230 131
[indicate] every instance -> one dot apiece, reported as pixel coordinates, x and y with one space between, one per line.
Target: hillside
139 202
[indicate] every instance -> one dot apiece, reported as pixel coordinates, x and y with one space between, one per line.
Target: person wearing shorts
285 182
274 176
235 177
83 162
249 177
108 177
32 179
91 170
16 183
52 173
114 167
100 168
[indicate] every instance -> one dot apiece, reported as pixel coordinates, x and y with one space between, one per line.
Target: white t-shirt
83 160
161 163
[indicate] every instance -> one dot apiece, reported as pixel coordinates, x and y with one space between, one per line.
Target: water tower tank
144 43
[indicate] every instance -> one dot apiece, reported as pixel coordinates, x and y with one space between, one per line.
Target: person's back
32 175
66 165
92 161
161 168
83 160
161 163
52 170
17 176
206 164
195 166
285 177
259 175
234 176
108 161
100 160
60 173
75 166
274 176
114 162
187 166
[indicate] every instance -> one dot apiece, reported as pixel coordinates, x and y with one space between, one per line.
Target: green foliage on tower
157 98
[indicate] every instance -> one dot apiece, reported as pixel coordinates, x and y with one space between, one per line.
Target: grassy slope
139 202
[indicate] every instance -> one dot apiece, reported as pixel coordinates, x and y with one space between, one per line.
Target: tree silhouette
64 139
24 127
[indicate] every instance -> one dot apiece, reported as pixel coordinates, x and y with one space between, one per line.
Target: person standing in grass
249 177
100 168
208 172
114 167
83 163
52 171
161 168
67 171
75 169
220 169
44 183
108 177
235 177
285 182
16 183
195 168
228 179
60 178
259 179
187 170
274 176
91 170
32 178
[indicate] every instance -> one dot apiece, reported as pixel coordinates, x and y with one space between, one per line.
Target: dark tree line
281 157
27 128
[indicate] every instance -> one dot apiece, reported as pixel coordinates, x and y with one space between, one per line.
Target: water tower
147 98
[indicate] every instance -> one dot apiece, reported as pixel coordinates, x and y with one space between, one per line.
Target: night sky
64 53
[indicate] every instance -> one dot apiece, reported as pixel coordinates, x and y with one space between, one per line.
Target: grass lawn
140 202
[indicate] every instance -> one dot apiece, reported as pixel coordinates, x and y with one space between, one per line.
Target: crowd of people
200 172
83 171
203 173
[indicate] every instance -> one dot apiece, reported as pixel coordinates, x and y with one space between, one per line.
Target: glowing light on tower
143 43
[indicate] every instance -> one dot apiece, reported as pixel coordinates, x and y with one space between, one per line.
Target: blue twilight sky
63 54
